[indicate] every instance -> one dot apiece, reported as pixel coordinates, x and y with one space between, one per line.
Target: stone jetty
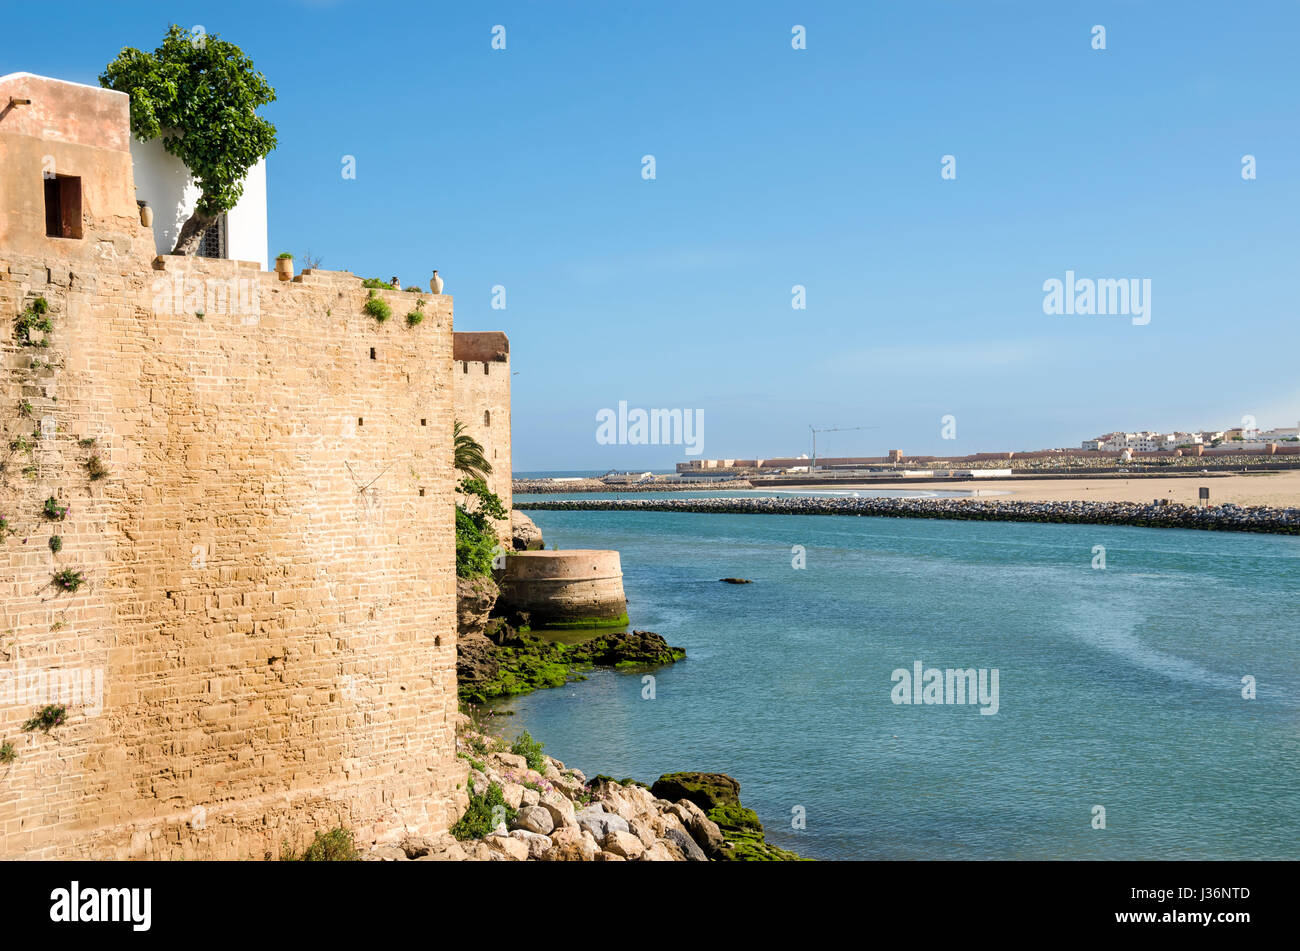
1224 518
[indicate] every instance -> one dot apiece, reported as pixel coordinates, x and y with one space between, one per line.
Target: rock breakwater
1227 518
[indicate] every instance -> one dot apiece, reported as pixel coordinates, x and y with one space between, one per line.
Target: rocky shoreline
524 805
1231 518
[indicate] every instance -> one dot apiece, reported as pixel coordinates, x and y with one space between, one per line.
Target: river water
1118 687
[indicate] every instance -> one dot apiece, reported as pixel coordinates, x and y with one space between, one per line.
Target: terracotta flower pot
284 268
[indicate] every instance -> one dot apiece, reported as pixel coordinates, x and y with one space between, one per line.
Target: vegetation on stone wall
377 308
47 718
69 580
7 753
336 845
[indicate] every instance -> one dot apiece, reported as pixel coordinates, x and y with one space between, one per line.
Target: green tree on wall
200 94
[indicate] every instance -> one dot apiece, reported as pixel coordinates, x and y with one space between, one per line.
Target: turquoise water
1118 687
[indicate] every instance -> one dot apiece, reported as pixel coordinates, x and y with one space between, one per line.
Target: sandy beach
1281 489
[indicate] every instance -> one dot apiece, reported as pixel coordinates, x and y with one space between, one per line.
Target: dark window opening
486 367
63 206
465 367
214 243
372 353
487 418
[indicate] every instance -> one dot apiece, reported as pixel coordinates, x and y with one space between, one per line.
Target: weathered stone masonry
269 560
482 393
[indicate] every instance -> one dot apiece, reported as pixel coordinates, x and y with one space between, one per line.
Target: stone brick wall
269 561
482 393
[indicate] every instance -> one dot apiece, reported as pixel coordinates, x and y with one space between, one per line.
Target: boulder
562 812
685 845
624 844
706 790
511 847
535 819
524 533
475 598
641 829
512 761
702 829
513 794
571 845
538 845
658 852
599 823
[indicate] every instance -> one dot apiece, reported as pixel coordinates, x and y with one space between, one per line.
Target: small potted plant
284 266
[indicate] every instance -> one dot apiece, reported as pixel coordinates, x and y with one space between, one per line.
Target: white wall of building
165 183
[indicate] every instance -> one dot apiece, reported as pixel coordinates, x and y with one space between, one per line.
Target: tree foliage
470 459
200 95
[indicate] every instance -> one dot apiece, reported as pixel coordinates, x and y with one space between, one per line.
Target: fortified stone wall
259 493
482 388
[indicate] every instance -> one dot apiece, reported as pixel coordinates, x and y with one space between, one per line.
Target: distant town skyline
914 179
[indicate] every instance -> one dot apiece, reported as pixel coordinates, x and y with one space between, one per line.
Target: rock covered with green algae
509 662
719 796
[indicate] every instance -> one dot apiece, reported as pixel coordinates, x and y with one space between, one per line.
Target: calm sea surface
1118 687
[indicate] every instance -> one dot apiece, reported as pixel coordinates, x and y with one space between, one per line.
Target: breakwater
558 486
1229 517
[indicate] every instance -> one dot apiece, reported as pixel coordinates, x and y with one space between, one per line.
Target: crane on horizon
829 429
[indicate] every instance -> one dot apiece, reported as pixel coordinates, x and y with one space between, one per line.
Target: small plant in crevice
25 444
5 529
96 468
55 510
25 409
417 315
378 308
34 318
56 543
87 442
69 580
47 718
7 753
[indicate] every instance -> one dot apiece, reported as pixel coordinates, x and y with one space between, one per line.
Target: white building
166 184
163 181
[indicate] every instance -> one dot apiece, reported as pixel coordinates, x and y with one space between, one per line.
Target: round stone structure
565 589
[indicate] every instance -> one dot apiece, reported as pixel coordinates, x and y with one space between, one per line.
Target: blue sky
778 167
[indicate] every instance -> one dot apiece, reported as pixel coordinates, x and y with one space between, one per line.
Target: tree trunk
192 232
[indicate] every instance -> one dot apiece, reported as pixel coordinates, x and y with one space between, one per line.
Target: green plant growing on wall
87 442
47 718
200 95
69 580
376 284
283 255
34 318
378 308
417 315
96 468
56 543
7 753
55 510
25 409
23 444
